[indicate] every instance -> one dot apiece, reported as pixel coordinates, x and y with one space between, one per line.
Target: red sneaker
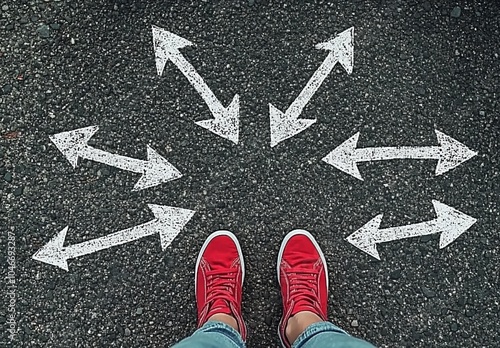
219 275
303 278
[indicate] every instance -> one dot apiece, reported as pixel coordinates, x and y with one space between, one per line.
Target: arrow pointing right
156 170
168 222
450 222
450 154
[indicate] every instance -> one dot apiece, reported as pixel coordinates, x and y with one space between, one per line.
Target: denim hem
213 334
223 329
316 328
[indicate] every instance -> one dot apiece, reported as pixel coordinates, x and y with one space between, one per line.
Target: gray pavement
418 66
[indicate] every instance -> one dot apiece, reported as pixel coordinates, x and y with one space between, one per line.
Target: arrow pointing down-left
156 170
168 222
287 124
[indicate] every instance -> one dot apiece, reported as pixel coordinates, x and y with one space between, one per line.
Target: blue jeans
319 335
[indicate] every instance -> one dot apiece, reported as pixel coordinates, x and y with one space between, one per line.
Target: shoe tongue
221 264
220 306
303 305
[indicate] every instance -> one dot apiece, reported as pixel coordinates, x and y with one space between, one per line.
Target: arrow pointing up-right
450 222
342 48
168 222
286 124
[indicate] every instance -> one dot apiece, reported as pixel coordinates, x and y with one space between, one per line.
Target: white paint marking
168 222
287 124
450 222
156 170
226 120
450 154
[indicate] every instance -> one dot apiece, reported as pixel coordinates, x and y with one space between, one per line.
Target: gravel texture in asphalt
418 66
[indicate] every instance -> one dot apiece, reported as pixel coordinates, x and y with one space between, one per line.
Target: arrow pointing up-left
168 222
226 120
156 170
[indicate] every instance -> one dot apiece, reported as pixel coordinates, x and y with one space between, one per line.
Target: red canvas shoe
303 278
219 275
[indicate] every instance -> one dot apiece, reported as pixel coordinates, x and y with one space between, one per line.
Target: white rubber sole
209 239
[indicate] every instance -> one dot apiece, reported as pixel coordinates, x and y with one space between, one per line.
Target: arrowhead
225 124
453 153
342 47
366 237
283 126
452 223
158 170
165 43
171 221
53 252
72 143
343 157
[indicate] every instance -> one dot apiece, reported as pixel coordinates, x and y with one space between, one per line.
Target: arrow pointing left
168 222
226 120
450 153
156 170
450 222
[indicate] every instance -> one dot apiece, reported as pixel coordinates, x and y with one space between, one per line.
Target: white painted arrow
226 120
155 170
287 124
168 222
450 222
450 154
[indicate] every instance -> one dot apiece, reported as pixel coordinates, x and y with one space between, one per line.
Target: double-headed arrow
226 120
450 222
168 222
155 170
450 153
287 124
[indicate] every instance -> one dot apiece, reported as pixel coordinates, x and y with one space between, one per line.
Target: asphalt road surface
419 66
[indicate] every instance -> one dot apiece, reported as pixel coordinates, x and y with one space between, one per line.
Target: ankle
298 323
226 319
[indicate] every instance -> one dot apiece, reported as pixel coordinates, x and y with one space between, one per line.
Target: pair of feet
302 275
